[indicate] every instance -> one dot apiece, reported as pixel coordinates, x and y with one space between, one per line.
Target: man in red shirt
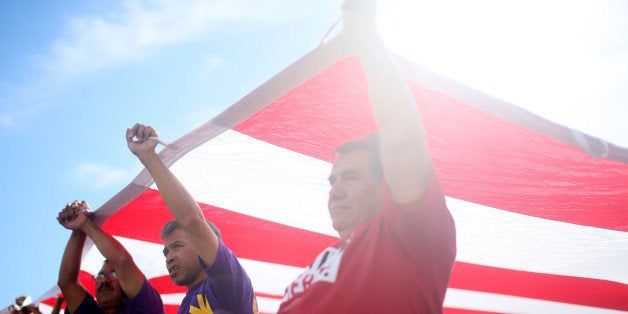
397 238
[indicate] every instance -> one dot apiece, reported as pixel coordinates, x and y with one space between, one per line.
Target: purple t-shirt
147 301
227 288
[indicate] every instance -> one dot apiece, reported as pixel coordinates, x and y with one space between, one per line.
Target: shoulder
148 297
427 216
224 257
431 198
88 305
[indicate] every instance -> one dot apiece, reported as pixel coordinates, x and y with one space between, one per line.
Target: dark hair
368 143
173 224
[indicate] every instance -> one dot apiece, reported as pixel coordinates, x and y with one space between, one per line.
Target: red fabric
144 217
556 288
477 156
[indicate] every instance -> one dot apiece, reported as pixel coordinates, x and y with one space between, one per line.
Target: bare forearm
403 146
68 281
71 260
390 95
180 202
57 307
107 245
130 276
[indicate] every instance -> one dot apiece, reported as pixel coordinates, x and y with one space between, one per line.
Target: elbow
123 258
194 225
192 220
64 283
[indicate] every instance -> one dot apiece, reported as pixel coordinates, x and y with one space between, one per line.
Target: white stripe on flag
482 301
172 298
494 237
242 174
146 255
262 180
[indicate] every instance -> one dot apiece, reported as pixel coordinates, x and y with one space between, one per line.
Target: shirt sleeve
426 230
146 301
228 280
87 306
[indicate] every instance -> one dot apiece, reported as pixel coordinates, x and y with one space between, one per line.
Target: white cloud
100 176
140 27
130 33
209 64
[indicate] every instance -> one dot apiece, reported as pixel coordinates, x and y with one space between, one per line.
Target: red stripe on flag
478 157
51 301
171 309
143 218
566 289
165 285
88 282
269 295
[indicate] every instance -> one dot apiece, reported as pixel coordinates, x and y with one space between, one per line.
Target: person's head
23 305
182 260
108 290
356 184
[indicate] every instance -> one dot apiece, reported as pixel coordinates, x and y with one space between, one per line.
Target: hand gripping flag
541 210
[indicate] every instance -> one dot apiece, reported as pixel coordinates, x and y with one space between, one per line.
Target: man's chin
339 225
178 280
105 301
105 296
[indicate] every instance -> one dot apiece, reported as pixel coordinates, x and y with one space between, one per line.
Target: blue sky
75 75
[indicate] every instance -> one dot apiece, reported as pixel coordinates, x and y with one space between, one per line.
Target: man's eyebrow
349 172
167 245
343 173
166 249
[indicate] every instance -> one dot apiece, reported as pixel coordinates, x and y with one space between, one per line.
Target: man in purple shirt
195 255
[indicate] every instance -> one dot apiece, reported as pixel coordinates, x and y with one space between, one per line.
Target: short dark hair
173 224
368 143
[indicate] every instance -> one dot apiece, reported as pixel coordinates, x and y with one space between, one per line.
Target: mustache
103 285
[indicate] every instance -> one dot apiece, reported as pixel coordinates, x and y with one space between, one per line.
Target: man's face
108 291
355 194
182 260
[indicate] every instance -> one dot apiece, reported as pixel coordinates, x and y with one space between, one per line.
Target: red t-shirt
396 262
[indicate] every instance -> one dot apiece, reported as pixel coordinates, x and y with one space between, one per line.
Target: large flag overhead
541 210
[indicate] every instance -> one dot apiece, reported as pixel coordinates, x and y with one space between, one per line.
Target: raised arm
180 202
73 291
405 159
56 309
129 275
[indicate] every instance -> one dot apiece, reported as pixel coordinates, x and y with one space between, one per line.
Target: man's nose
105 282
336 191
169 257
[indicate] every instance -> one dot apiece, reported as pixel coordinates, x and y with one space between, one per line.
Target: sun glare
523 52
